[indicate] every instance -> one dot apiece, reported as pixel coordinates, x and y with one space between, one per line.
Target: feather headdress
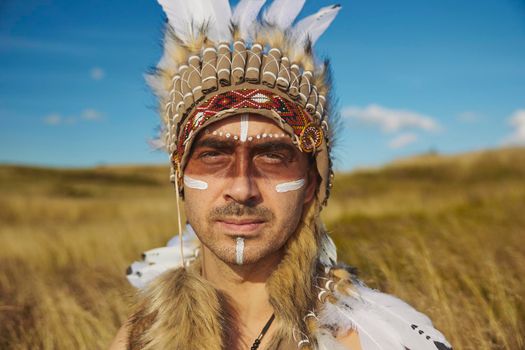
255 56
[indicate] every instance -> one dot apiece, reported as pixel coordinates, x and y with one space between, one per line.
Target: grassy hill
444 233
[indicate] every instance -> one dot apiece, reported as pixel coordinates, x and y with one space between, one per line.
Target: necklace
257 341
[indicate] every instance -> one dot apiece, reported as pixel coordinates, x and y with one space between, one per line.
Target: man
247 126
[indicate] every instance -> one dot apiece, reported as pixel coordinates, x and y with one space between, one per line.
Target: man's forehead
245 130
253 122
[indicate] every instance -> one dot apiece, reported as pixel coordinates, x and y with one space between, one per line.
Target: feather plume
221 20
157 85
374 332
156 261
282 13
415 328
188 18
325 341
178 13
328 251
245 16
312 27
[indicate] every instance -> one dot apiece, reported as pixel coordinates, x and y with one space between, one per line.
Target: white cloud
468 117
53 119
91 114
87 115
391 120
54 47
402 140
517 122
97 73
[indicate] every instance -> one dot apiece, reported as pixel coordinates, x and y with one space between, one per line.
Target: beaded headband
217 64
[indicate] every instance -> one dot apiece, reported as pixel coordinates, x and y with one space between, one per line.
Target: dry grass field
447 234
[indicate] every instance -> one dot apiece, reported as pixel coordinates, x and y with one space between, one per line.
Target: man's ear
313 181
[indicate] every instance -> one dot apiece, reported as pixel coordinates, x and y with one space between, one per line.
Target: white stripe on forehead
289 186
194 183
244 127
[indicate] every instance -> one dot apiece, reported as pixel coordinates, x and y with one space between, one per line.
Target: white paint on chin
239 251
194 183
290 186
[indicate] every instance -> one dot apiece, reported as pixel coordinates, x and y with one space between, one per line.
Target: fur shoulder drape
178 307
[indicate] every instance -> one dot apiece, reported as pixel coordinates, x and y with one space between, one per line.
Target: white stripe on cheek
290 186
194 183
239 250
244 127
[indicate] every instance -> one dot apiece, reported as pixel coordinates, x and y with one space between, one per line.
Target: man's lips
245 226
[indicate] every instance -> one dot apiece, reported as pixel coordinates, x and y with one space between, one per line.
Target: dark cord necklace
257 341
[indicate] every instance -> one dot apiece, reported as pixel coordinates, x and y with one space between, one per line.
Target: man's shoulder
120 342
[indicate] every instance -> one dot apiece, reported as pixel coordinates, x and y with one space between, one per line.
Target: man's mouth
237 226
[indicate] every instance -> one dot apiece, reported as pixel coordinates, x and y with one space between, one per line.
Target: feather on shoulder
382 321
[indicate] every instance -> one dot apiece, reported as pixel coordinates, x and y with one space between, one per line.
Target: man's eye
209 154
272 157
212 157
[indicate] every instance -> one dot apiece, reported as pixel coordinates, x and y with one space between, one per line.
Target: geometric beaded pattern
290 112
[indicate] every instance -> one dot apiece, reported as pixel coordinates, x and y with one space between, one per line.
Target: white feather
245 16
330 315
158 260
220 20
408 322
141 274
157 144
282 13
315 25
189 237
178 13
157 85
325 341
167 63
328 254
374 333
187 17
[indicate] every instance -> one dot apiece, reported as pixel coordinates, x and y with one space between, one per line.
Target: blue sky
411 76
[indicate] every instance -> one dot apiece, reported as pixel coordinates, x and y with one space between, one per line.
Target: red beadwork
291 113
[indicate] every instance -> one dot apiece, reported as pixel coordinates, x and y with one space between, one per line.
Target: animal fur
179 307
291 286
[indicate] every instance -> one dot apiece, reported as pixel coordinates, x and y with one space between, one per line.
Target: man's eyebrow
214 142
256 145
273 146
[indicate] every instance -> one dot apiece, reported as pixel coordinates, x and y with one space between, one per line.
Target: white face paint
244 127
290 186
194 183
239 250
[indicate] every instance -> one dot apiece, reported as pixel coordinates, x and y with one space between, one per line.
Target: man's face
243 185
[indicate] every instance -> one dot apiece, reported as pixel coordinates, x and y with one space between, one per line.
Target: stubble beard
223 244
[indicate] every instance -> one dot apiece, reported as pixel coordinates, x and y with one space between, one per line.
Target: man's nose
242 187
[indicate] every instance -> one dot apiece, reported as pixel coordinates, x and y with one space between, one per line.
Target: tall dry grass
444 233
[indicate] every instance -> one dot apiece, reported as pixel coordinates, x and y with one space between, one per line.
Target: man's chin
250 256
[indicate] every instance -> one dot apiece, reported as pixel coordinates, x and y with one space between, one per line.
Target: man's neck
245 287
